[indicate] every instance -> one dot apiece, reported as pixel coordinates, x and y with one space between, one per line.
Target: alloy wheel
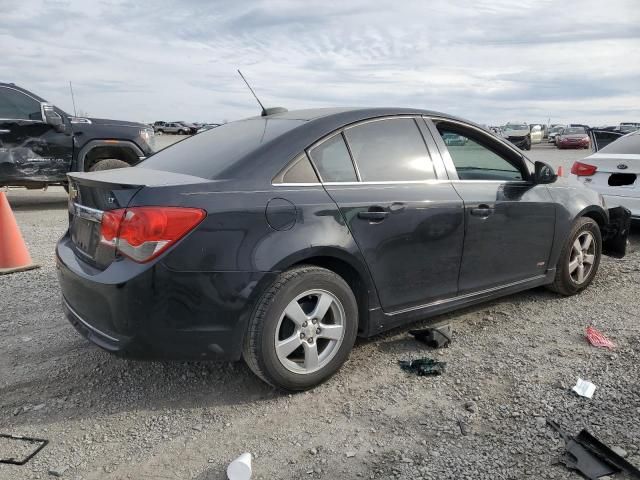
310 331
582 258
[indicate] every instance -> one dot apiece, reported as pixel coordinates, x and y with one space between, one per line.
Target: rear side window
299 171
333 161
210 153
16 105
390 150
627 144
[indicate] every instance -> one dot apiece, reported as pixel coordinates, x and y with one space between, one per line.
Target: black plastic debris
36 443
587 455
437 337
423 366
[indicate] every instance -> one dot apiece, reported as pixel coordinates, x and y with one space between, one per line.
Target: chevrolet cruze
279 239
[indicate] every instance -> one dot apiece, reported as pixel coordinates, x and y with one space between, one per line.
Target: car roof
363 112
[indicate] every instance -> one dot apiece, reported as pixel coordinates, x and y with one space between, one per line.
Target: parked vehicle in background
613 170
519 134
190 127
536 134
553 131
173 127
573 137
280 238
452 139
40 143
627 127
158 125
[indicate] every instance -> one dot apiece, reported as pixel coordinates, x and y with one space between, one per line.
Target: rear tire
579 259
108 164
307 309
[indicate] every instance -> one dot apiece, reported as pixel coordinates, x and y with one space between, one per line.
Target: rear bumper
152 312
631 203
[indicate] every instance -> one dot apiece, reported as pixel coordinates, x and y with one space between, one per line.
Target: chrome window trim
317 184
432 181
19 120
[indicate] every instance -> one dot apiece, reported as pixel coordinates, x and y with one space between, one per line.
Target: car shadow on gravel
86 382
407 344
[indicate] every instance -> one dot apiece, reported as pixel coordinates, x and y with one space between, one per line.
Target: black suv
39 143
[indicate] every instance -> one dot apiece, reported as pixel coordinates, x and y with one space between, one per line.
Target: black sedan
280 238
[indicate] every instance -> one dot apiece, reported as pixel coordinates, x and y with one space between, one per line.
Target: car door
602 138
509 221
30 149
408 225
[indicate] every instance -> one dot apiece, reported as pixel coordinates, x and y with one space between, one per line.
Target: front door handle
482 210
374 214
4 131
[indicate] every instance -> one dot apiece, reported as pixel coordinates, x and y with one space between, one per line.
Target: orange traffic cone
560 171
14 256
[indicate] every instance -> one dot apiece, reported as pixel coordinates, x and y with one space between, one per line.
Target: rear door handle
482 211
374 214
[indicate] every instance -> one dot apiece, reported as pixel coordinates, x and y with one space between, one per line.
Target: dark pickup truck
39 143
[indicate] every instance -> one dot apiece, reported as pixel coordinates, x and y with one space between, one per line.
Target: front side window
333 161
390 150
16 105
476 161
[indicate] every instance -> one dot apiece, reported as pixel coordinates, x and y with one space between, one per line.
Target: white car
553 131
613 170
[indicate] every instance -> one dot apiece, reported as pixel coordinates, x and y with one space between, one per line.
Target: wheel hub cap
582 257
310 331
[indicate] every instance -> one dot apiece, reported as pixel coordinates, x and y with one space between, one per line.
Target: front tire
302 329
579 259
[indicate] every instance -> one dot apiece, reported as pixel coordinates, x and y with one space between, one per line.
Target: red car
573 137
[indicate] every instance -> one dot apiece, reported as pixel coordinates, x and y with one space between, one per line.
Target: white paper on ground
584 388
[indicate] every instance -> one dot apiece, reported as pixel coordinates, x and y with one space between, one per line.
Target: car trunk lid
617 174
93 194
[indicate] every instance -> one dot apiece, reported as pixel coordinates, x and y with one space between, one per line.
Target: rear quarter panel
236 236
572 202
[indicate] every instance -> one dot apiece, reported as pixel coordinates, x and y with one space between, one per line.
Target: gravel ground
511 364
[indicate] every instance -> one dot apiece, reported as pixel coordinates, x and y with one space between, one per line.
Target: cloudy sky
489 61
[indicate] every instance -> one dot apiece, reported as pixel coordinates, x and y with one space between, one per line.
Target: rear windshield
627 144
516 126
209 154
573 130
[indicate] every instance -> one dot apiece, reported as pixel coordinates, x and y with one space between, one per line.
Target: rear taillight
583 169
143 233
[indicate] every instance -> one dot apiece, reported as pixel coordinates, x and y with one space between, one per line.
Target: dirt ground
512 364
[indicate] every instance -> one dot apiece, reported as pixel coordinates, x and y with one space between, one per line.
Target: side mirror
51 117
544 173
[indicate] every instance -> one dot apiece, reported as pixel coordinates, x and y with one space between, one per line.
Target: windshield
571 130
210 153
555 129
516 126
624 145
